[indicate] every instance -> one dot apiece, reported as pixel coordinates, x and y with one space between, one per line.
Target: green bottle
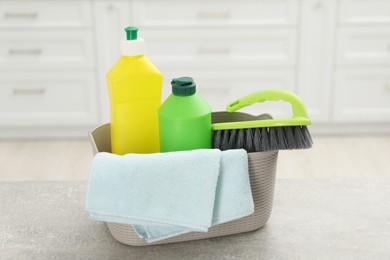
184 118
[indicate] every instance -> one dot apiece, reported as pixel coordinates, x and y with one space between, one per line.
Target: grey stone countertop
311 219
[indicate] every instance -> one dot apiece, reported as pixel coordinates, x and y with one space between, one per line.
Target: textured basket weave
262 169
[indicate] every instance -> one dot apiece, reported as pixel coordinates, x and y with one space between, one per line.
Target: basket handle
298 107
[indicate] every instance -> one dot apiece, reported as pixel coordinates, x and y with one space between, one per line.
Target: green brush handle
300 116
299 110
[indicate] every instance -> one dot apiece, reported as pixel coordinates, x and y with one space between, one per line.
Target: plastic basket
262 169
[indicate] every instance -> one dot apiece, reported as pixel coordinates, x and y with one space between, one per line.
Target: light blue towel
233 198
154 189
168 194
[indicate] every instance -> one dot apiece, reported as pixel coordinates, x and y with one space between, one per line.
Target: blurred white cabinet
46 49
47 99
39 14
316 51
215 13
362 95
364 45
47 68
319 49
334 53
230 48
362 71
356 12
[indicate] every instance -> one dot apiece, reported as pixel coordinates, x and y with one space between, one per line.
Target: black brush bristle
225 140
217 138
282 142
257 140
298 137
248 146
273 138
265 145
289 134
232 139
240 139
263 139
308 141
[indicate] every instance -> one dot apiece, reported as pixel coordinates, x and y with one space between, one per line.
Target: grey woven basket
262 169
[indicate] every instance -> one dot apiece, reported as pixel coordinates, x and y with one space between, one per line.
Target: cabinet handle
29 91
110 7
214 14
214 50
319 3
31 15
24 51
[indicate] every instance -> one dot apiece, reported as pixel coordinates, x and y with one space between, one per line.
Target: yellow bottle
134 86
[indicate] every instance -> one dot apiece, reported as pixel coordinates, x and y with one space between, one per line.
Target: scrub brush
265 133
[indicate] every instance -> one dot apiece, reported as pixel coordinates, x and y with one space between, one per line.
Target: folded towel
233 198
168 194
175 188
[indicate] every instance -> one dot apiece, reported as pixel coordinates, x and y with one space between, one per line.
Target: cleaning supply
233 199
134 86
265 134
177 192
184 118
235 139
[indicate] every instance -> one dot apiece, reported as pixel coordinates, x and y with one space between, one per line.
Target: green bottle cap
131 33
184 86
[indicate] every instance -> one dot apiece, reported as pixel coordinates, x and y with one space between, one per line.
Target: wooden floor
331 158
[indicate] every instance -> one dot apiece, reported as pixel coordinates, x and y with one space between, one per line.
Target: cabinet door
47 99
46 50
111 17
364 11
217 48
45 14
364 45
362 95
186 13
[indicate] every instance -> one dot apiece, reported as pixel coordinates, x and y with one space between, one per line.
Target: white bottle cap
132 47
